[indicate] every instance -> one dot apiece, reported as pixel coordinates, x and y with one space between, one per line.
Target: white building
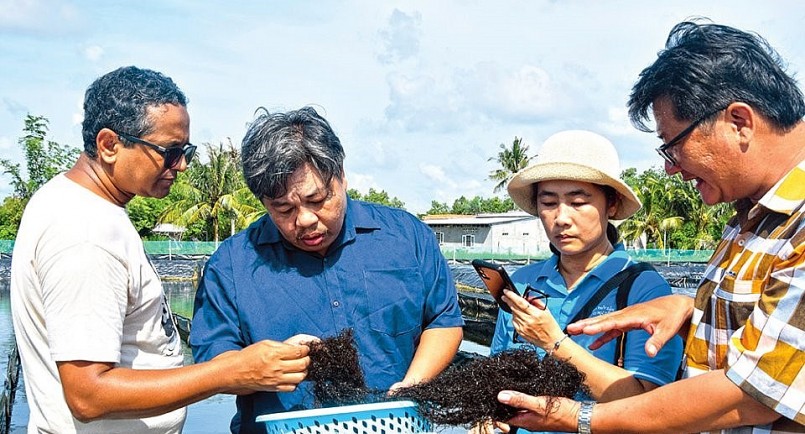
515 232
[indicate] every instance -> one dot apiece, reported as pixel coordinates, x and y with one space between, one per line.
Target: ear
612 209
108 145
743 119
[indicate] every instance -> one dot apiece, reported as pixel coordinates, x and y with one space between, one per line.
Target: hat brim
522 193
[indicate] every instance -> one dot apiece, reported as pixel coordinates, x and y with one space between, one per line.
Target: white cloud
38 16
421 93
400 39
361 182
617 122
14 107
93 53
526 93
424 103
436 174
5 143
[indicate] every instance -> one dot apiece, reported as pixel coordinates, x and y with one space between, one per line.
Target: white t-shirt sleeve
85 295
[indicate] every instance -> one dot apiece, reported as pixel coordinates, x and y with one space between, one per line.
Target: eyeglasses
172 155
531 294
664 149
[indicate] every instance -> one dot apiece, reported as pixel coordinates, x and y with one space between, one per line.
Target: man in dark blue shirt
319 263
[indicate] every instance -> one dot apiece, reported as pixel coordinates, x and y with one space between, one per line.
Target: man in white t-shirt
99 349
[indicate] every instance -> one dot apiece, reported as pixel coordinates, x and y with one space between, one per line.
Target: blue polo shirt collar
550 269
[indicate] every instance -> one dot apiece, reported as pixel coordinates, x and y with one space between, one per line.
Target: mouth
312 240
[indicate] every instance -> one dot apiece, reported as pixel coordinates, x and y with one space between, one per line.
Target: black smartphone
496 280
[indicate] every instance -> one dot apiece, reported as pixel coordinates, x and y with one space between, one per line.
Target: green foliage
374 196
511 161
43 159
673 215
144 213
10 217
476 205
438 208
497 205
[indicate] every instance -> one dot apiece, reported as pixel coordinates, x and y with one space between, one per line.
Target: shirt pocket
396 300
733 301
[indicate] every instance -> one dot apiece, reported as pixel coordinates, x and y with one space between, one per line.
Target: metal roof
478 220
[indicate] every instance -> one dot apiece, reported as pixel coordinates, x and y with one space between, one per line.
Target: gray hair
120 101
277 144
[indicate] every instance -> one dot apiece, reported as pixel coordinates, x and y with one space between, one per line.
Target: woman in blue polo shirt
574 188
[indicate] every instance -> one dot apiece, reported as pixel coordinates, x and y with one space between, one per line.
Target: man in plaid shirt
731 121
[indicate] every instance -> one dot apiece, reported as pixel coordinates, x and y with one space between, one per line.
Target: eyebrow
280 201
573 193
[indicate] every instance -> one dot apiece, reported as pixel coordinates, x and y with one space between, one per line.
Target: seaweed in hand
466 394
335 371
463 394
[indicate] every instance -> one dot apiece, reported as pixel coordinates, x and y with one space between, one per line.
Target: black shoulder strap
621 298
623 280
629 273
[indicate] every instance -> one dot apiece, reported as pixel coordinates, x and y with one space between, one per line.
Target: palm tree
658 215
511 161
210 192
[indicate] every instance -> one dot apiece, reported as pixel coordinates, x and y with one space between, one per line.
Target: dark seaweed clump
335 372
466 394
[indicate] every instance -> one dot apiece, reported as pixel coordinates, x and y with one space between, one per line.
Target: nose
563 214
181 165
306 218
671 169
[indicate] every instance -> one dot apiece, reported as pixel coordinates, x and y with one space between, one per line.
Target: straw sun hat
574 155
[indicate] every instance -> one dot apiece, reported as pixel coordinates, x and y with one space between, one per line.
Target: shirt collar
618 257
785 197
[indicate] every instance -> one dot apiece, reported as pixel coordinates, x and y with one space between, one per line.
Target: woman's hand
532 321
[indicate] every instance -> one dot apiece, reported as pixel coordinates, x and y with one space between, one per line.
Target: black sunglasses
663 150
172 155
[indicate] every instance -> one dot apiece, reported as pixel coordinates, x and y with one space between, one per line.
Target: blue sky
421 93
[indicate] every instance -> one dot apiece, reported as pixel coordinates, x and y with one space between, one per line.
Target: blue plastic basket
381 418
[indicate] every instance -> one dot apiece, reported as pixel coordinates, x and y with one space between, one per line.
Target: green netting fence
189 248
206 248
647 255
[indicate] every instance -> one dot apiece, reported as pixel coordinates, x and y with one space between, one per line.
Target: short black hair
706 66
119 100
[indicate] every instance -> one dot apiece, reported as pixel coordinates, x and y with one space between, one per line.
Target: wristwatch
585 417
